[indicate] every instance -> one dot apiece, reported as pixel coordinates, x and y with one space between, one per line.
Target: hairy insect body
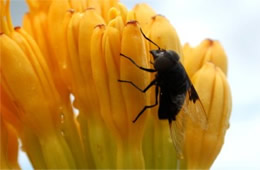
173 85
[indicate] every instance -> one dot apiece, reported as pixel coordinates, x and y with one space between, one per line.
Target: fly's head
164 59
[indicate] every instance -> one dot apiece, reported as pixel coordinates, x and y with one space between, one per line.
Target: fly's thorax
164 60
174 79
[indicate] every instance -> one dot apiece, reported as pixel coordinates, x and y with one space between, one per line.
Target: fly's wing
194 109
177 124
170 106
177 131
191 108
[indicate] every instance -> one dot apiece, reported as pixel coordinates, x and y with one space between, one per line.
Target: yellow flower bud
105 6
79 34
203 146
157 131
105 56
27 81
163 34
207 51
37 22
33 98
144 14
38 5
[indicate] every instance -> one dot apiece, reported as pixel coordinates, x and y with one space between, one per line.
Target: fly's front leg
142 68
138 88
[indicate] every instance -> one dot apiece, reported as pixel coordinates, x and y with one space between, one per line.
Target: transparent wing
191 109
194 109
177 129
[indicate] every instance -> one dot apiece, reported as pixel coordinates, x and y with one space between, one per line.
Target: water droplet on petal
62 133
62 118
60 108
170 140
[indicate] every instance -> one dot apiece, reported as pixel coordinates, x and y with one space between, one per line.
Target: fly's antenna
149 39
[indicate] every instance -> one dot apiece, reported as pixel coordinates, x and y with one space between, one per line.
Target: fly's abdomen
170 104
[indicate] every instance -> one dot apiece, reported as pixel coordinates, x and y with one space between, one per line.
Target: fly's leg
138 88
151 106
142 68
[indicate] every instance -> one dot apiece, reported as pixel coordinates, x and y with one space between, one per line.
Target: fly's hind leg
151 106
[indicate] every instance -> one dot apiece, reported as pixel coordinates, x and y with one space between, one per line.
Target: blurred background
236 24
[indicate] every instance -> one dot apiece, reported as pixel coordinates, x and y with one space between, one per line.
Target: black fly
176 93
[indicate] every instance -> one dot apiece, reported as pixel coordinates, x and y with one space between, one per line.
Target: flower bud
164 34
38 5
132 45
144 14
28 83
207 51
157 131
203 146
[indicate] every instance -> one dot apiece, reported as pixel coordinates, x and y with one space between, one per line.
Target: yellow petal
8 146
123 11
144 14
133 45
164 34
58 20
217 56
18 74
27 24
111 41
101 82
77 5
207 51
72 43
9 111
38 5
6 25
105 6
86 27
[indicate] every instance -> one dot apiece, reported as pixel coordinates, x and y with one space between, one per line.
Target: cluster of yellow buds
206 65
72 47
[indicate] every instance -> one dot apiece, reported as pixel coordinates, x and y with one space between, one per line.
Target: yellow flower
73 47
